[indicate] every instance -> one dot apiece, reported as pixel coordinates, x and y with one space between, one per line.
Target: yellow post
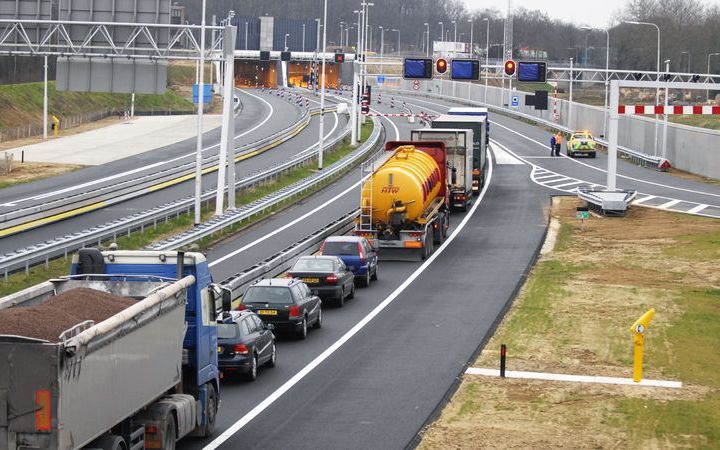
638 330
55 125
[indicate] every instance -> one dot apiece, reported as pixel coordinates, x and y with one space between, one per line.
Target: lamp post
471 36
286 46
322 92
353 100
303 38
342 24
710 55
246 35
382 46
398 47
657 90
665 117
347 36
454 22
487 56
427 44
442 32
201 98
607 75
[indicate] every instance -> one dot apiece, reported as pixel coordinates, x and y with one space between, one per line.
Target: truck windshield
268 294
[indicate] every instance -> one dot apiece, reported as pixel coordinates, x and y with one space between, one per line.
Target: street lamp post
341 33
398 47
657 90
471 36
454 22
246 35
607 76
707 93
382 46
665 116
487 56
353 100
322 92
303 38
442 32
427 44
201 98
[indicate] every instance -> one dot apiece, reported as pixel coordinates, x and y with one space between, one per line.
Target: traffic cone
379 100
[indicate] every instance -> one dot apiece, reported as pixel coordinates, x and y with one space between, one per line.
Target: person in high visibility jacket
558 143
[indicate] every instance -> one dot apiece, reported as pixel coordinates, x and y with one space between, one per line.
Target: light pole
303 39
322 91
471 36
707 93
201 98
246 35
382 46
442 32
341 33
657 90
607 76
353 100
347 36
427 44
398 47
286 36
487 56
570 102
665 117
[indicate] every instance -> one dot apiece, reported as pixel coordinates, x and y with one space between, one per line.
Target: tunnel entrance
255 73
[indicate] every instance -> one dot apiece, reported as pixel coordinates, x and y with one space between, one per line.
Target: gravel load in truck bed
49 319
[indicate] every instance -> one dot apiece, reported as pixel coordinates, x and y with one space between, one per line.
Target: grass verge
55 268
573 316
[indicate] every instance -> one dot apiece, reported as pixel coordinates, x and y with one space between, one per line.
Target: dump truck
404 201
142 374
470 119
458 162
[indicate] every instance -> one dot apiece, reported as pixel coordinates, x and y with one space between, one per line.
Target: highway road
383 364
305 139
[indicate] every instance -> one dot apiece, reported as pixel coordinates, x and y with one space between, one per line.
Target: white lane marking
557 186
644 199
294 222
669 204
540 157
262 406
547 177
572 378
697 209
575 159
504 158
144 168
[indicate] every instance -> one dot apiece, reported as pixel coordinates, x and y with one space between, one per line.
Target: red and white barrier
705 110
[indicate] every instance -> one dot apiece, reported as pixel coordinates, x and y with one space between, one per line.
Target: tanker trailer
404 201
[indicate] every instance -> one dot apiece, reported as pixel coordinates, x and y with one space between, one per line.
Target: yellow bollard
638 330
55 125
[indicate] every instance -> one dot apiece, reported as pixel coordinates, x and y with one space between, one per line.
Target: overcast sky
594 13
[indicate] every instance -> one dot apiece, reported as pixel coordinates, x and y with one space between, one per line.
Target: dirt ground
573 317
31 171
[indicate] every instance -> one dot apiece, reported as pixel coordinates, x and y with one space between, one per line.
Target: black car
244 344
286 303
327 277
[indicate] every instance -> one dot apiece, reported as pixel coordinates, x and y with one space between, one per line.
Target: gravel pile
62 312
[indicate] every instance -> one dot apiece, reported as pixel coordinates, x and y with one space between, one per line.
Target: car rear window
340 248
268 294
228 331
313 265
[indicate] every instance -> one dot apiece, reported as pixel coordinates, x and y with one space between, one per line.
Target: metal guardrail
131 188
635 155
61 246
282 261
259 206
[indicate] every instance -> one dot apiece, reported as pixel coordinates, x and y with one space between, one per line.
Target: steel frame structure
20 37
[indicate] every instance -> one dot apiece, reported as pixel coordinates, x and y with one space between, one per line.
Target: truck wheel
211 410
170 434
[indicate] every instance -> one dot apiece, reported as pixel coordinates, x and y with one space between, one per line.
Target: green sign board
583 215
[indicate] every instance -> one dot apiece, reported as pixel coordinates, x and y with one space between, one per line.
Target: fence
693 149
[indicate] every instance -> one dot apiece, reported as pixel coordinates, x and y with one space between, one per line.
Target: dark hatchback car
244 344
286 303
326 276
357 254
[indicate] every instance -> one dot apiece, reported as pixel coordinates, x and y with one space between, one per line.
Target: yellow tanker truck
404 202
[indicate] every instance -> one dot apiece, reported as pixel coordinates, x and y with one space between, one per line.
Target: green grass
138 240
711 122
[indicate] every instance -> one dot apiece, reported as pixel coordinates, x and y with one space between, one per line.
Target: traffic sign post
515 101
582 214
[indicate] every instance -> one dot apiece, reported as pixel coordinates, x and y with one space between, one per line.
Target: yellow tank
407 183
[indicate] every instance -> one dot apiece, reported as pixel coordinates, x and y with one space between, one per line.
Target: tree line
689 29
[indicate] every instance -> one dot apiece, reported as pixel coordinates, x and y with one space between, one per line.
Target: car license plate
311 280
267 312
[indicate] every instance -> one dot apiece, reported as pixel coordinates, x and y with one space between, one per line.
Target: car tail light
289 275
361 254
294 311
241 307
322 248
240 349
332 279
